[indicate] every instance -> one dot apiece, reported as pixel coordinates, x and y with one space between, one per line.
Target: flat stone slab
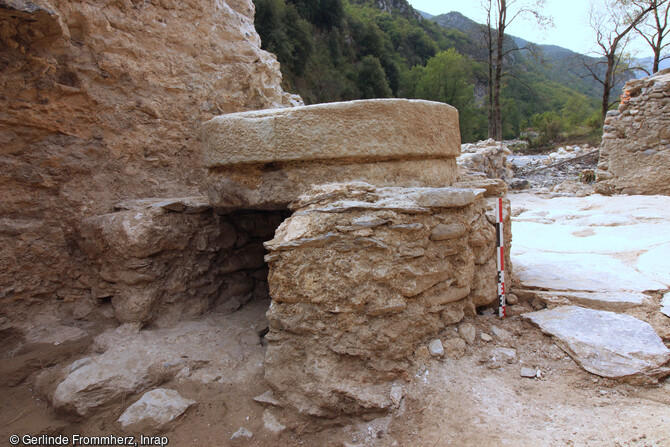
156 408
594 243
609 300
376 129
654 264
606 343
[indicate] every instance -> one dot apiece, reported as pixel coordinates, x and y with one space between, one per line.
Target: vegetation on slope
336 50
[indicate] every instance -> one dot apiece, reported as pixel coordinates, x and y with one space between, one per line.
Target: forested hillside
335 50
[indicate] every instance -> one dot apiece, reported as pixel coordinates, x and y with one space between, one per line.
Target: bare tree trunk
607 85
609 40
489 80
497 83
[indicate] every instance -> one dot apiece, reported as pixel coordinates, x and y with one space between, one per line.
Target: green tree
285 33
371 79
576 111
448 77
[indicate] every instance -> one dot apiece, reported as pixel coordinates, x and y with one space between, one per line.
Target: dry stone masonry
635 150
162 259
360 276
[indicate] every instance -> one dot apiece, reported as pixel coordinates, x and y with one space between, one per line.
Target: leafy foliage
337 50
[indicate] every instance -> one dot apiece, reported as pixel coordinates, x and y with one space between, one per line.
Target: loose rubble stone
528 372
511 299
519 184
156 407
558 172
501 333
436 348
485 337
267 397
498 357
605 343
241 436
454 347
271 423
133 362
468 332
635 159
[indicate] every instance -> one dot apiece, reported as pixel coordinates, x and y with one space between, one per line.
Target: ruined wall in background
100 102
635 150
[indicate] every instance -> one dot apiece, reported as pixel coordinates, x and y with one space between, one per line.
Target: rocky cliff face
635 150
99 102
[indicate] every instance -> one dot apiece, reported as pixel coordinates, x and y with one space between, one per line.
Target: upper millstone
366 129
267 159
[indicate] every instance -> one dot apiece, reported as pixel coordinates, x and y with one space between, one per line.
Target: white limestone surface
665 304
593 243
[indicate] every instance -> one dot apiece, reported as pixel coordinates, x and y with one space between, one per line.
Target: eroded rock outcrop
635 150
101 102
360 276
267 159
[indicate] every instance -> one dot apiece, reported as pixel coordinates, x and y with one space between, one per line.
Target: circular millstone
376 129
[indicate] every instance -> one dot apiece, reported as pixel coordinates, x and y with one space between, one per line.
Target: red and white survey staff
500 256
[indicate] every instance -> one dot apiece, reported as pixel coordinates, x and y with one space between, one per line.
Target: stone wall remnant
158 260
361 275
635 149
488 157
267 159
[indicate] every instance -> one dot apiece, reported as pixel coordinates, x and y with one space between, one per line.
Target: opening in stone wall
242 271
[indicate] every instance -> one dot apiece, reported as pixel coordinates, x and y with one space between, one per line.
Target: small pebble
528 372
435 348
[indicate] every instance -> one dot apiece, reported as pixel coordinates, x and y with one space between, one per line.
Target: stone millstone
606 343
266 159
377 129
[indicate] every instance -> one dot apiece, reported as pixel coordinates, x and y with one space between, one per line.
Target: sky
571 28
